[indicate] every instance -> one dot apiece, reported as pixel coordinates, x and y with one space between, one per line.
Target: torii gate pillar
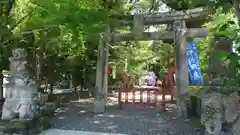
100 98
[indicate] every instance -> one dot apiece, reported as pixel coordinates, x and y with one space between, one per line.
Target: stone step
73 132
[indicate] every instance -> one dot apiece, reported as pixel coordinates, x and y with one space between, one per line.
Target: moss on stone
18 123
2 125
31 127
195 122
44 122
16 126
48 109
196 91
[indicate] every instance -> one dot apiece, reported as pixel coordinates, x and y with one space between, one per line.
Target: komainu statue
221 113
21 91
220 103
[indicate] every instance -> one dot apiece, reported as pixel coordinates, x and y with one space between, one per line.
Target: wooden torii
178 35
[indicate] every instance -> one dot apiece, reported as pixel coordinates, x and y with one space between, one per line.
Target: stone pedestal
99 101
99 106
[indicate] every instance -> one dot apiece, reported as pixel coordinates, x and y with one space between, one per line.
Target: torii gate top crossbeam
160 35
166 18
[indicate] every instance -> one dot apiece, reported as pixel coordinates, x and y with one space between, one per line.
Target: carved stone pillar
21 91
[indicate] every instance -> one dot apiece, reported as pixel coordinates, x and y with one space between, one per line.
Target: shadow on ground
132 120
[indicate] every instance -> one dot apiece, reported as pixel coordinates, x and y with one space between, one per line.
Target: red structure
168 85
109 69
108 73
137 94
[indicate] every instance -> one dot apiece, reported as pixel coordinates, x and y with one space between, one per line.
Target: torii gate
178 35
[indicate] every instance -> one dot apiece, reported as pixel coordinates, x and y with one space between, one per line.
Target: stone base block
99 106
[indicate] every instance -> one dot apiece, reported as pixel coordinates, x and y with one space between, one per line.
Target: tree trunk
51 89
73 85
51 97
45 86
75 91
1 88
237 9
39 63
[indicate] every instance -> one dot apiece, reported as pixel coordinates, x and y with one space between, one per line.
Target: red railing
148 95
141 95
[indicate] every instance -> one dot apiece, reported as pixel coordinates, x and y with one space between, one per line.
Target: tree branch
237 9
129 10
19 22
1 9
37 30
9 7
152 7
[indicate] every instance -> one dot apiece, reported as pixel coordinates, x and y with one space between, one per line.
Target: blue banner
194 70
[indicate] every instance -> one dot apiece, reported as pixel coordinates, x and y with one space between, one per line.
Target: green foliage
59 27
226 24
56 30
190 4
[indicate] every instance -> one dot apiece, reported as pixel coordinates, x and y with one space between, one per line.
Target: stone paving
73 132
77 116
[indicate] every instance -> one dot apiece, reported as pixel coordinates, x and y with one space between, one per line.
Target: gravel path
132 120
